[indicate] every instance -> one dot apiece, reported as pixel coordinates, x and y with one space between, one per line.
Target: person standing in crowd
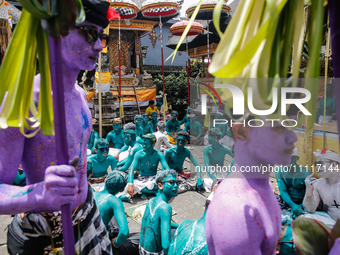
152 108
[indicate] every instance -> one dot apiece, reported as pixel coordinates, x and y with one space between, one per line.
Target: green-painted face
147 144
154 116
145 118
173 116
116 126
189 111
170 186
102 151
126 138
138 121
181 141
218 116
211 139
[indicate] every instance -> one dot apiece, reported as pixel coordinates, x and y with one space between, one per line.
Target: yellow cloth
146 94
165 107
149 110
170 139
121 108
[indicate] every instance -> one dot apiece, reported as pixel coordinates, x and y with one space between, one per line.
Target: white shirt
161 138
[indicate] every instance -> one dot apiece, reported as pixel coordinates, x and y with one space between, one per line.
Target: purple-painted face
77 51
272 145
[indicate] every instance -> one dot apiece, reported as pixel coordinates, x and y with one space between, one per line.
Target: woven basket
147 83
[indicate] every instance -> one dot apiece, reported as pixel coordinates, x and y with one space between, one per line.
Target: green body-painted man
139 129
116 135
221 126
330 106
110 206
186 118
153 122
147 128
292 186
129 141
102 160
190 238
214 154
146 161
92 141
195 129
175 156
172 127
156 226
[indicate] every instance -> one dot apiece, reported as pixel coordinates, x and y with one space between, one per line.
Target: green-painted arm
174 225
109 138
165 165
113 163
199 131
207 164
198 170
166 229
119 214
128 161
132 169
183 120
296 209
124 148
122 162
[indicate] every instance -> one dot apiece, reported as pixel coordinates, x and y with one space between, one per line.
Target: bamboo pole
100 94
325 86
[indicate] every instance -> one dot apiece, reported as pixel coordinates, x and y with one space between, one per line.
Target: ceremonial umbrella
177 29
154 9
127 10
205 13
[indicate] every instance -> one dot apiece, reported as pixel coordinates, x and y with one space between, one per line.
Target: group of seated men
300 191
241 219
136 136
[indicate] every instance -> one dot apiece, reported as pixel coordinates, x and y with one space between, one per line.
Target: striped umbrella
156 9
177 29
127 9
206 13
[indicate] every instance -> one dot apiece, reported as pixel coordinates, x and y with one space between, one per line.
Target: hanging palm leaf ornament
29 42
258 44
41 25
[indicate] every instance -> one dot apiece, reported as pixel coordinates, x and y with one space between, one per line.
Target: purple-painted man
244 216
48 185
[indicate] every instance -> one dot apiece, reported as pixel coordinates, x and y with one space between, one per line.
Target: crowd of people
242 214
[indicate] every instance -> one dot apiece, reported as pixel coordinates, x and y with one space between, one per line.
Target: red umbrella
205 13
177 29
157 9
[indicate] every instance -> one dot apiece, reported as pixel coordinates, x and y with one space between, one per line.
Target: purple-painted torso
47 189
243 213
244 216
39 152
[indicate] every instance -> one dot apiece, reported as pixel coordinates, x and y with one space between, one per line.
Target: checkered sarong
144 252
87 224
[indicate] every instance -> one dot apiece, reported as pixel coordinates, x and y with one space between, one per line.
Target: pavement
188 205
